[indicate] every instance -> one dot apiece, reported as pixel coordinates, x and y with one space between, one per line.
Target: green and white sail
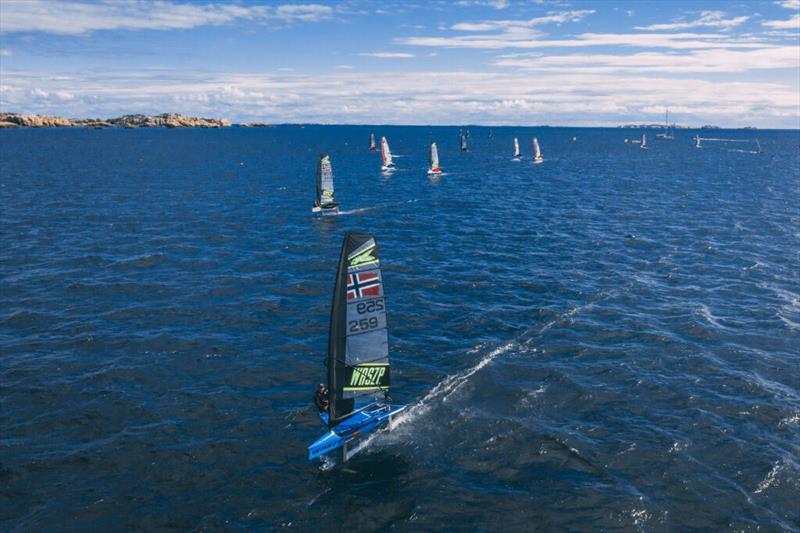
325 182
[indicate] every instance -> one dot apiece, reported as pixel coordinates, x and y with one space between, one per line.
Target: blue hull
349 432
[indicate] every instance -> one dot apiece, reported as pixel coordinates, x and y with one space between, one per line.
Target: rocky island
166 120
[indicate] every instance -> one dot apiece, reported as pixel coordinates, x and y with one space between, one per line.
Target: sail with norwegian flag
358 352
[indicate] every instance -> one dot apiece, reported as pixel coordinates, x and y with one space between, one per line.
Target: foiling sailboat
372 146
463 143
358 353
758 148
434 168
643 143
325 203
386 156
668 135
537 153
517 156
697 141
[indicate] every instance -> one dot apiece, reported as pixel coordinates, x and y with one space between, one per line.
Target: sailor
321 398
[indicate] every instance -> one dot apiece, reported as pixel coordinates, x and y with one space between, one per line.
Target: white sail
697 141
537 153
434 157
758 147
516 147
386 154
644 141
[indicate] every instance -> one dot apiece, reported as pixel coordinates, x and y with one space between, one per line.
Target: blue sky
731 63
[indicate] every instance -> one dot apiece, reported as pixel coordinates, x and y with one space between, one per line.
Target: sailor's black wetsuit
321 400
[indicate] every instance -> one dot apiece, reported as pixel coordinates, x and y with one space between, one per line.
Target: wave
365 209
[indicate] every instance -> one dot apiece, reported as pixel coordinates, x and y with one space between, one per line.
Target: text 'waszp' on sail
325 203
358 352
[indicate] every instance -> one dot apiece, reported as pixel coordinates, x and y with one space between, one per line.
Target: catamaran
358 353
697 141
537 153
667 135
372 146
643 143
325 203
516 156
435 168
386 156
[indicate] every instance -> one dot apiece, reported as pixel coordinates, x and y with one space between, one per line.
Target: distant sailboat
667 135
463 143
386 156
325 203
435 168
643 144
758 148
537 153
697 141
516 157
372 146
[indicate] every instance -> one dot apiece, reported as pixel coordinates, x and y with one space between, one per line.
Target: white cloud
789 4
792 23
303 12
442 97
771 57
518 25
650 40
5 52
388 55
709 19
76 18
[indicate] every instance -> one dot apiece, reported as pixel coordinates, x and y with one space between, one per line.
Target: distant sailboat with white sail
325 203
386 156
463 143
372 146
643 144
537 152
668 135
434 156
697 141
517 156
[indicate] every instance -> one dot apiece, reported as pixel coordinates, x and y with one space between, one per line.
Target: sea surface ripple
609 340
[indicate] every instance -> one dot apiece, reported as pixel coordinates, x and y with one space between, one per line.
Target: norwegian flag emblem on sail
363 285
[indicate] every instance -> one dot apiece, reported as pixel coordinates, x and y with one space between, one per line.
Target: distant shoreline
176 120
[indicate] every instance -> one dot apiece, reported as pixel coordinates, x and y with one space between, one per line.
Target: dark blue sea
607 341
